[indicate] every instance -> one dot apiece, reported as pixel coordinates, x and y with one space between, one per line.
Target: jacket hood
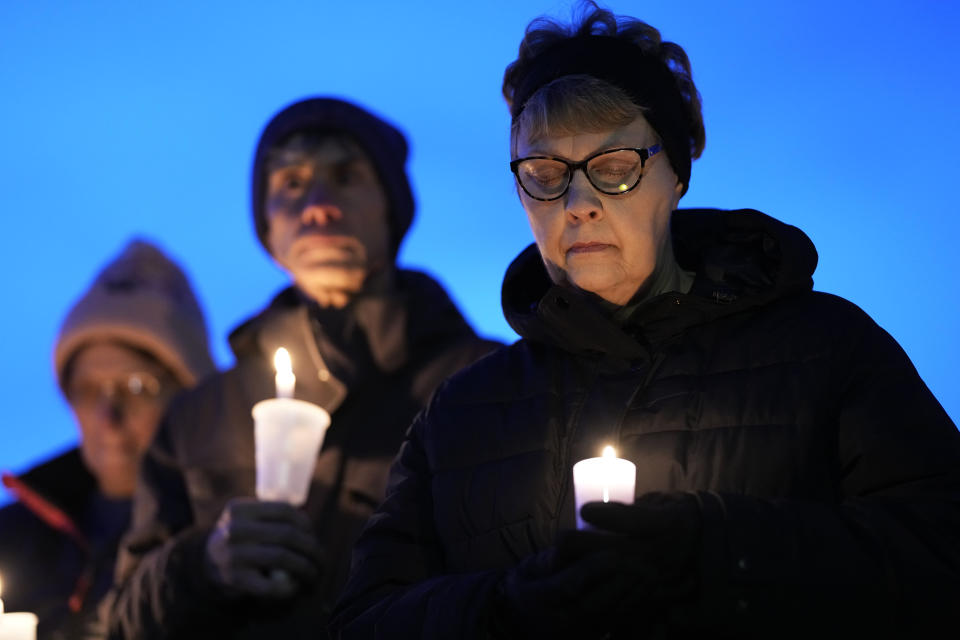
741 258
742 254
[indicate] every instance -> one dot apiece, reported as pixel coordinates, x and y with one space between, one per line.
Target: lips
584 248
320 239
314 243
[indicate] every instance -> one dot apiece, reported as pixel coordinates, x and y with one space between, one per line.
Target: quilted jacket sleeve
397 587
885 557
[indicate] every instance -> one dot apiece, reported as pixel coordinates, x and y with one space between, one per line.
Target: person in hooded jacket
135 338
368 342
794 475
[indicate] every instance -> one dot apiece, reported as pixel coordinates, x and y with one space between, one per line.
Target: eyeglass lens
611 173
131 392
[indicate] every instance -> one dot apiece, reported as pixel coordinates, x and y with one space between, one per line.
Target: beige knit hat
141 298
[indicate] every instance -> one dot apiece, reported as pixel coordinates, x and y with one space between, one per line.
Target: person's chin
116 467
342 277
596 281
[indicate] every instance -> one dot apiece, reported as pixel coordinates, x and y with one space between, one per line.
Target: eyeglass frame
120 394
644 153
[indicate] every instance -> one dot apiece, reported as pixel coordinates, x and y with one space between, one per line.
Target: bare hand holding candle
17 626
604 479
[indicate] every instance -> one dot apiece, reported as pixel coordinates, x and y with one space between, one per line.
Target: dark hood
742 254
741 258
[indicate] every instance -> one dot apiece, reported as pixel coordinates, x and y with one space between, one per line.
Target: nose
581 202
109 411
320 207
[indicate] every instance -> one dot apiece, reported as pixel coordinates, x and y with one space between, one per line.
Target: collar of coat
741 259
397 325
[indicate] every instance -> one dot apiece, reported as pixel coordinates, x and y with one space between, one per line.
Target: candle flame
609 453
281 361
1 587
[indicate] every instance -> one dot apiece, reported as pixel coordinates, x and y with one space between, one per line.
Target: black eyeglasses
611 172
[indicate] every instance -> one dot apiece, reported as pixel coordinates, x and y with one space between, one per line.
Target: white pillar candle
604 479
285 380
17 626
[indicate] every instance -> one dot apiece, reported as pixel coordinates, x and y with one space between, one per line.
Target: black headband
644 77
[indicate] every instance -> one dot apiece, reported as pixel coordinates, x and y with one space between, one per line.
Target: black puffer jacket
828 475
372 366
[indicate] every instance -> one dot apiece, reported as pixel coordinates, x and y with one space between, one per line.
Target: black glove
575 589
664 530
264 549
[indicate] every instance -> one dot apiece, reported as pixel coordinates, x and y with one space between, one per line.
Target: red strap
50 513
80 590
56 518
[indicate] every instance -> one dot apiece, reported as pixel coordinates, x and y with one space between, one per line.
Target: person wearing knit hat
369 341
330 197
135 338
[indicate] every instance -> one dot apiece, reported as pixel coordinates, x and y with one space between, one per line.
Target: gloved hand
575 589
264 549
665 531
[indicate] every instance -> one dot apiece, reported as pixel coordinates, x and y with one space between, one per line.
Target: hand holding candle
287 437
604 479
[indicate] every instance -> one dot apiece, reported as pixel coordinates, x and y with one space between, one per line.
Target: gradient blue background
838 117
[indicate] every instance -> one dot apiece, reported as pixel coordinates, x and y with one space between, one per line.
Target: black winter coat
399 349
828 476
58 545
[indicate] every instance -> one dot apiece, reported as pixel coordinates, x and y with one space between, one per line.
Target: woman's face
605 244
118 396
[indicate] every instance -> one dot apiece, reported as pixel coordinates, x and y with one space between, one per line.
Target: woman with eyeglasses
794 475
133 340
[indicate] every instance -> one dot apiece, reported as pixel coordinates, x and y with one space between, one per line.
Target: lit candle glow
604 479
285 379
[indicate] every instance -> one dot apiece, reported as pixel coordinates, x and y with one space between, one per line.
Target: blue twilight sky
121 118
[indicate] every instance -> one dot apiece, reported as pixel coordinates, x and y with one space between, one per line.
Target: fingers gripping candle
603 479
